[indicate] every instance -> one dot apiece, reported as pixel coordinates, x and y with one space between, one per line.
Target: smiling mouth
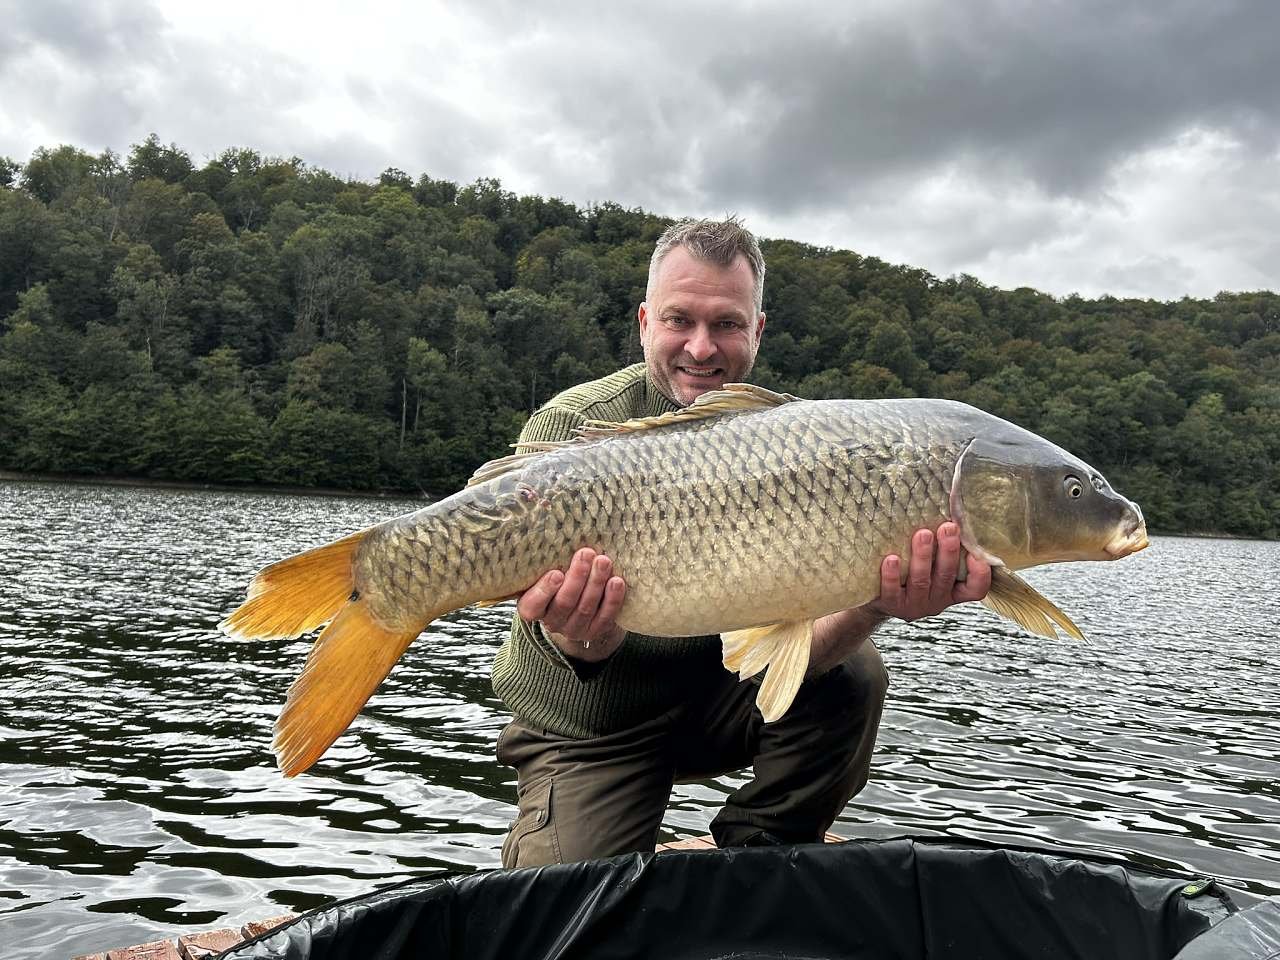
701 373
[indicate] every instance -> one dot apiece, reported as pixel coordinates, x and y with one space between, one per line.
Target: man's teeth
696 372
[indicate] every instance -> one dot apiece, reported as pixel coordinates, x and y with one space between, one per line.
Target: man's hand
931 584
578 606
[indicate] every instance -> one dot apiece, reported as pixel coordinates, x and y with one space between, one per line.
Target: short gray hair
713 241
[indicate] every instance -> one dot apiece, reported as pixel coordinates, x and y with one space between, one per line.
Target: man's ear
642 315
760 326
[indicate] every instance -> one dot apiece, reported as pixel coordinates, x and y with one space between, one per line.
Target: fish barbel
748 514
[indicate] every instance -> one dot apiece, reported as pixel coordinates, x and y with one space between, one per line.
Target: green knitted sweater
647 675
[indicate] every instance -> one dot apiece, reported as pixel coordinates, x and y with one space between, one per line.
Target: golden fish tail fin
780 648
1013 597
350 658
296 595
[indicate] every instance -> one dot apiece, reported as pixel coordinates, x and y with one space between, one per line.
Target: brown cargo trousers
602 796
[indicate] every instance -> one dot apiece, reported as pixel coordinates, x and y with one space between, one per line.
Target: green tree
10 171
257 319
49 174
150 160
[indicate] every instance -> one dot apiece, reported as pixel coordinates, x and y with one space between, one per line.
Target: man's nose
700 346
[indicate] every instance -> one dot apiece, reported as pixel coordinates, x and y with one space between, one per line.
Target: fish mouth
1131 539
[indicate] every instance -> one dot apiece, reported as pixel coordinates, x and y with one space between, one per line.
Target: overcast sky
1093 147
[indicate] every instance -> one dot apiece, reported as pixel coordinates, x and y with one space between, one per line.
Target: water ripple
140 800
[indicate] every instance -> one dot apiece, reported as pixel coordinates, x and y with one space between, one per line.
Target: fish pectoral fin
349 659
782 649
1012 597
731 398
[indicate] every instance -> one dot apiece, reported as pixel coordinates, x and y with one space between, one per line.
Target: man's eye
677 321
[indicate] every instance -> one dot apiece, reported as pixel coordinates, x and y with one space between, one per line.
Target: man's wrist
872 615
837 635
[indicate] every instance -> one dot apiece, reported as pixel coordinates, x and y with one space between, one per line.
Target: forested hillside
257 320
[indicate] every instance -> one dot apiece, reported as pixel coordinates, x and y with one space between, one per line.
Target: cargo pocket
532 840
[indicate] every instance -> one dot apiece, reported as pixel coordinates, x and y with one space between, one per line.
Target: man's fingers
565 602
578 606
890 585
533 603
615 591
920 568
579 623
978 582
945 566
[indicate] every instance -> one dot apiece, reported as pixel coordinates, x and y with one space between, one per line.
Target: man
605 721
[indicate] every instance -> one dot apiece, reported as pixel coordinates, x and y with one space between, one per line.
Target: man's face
700 330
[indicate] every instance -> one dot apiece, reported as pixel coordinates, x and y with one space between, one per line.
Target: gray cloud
1058 100
90 35
1144 273
1046 143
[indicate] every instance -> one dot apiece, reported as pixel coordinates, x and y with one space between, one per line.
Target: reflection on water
138 796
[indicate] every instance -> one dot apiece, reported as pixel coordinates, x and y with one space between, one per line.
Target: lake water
138 797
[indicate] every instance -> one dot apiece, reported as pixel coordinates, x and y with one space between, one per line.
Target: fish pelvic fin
350 658
1012 597
298 594
782 650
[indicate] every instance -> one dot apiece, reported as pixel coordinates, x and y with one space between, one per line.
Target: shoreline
16 476
148 482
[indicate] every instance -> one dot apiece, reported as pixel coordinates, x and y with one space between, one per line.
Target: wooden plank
692 843
193 946
156 950
256 928
708 843
197 946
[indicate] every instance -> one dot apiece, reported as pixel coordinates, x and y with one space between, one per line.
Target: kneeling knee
861 677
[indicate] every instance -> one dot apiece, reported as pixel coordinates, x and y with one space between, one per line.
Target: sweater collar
655 401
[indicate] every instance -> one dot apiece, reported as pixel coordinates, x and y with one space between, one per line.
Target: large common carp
748 513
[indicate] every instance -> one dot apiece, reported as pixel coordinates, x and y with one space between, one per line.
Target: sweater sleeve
552 424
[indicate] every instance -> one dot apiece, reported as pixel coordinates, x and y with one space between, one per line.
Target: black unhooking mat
902 899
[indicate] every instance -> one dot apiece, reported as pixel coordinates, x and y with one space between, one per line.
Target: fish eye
1098 482
1073 486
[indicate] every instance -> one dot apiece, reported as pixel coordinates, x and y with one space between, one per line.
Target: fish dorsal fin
1013 597
512 461
496 468
780 648
732 398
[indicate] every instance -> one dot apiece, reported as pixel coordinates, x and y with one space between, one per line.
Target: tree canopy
258 320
